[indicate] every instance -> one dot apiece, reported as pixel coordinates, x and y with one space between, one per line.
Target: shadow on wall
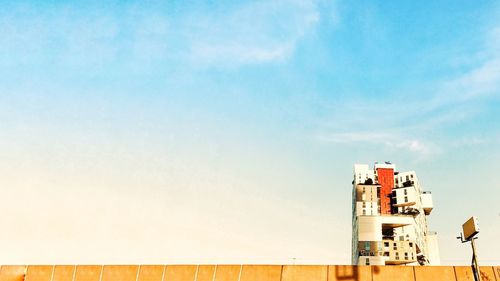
352 273
344 272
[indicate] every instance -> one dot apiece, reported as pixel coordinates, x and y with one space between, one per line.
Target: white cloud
414 123
481 81
388 140
255 33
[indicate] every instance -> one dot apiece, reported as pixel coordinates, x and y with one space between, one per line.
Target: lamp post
469 230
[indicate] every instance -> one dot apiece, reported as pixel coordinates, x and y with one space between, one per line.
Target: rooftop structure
389 218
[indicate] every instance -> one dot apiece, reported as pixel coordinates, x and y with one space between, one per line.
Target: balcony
427 204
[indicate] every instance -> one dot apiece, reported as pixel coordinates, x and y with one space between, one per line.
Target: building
389 218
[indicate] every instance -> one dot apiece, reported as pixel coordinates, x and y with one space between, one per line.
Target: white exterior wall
427 203
404 176
385 166
369 209
369 228
365 260
433 249
406 192
361 173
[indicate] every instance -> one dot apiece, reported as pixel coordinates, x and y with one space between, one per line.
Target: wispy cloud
478 82
254 33
413 123
388 140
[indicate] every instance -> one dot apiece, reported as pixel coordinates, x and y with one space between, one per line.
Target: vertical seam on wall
74 274
281 273
52 274
415 274
455 273
163 274
102 270
371 273
239 275
196 273
26 271
215 272
327 272
138 271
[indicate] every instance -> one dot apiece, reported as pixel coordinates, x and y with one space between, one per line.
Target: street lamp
469 231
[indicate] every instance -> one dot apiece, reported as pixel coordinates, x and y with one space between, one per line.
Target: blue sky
212 131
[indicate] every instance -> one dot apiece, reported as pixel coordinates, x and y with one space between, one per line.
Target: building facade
389 218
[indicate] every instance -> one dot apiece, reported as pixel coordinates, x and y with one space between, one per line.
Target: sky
226 131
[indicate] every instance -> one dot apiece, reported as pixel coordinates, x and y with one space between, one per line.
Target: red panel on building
386 181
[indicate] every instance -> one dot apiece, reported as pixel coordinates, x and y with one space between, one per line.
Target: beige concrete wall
261 272
349 273
464 273
243 273
205 273
88 273
12 272
305 273
151 272
227 272
180 272
424 273
386 273
39 273
63 272
120 272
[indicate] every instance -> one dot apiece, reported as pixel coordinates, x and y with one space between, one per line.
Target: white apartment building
389 218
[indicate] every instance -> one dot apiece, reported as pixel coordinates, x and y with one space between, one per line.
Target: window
386 254
386 244
411 175
411 244
406 198
364 212
367 245
367 261
406 191
407 178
